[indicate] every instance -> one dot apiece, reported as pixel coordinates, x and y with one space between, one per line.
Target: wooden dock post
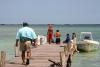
2 58
62 59
65 49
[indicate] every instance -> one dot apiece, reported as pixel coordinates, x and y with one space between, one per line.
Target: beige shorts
25 46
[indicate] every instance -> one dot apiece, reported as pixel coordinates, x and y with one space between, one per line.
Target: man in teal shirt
24 37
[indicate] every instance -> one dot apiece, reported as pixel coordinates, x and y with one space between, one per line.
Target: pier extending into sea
45 55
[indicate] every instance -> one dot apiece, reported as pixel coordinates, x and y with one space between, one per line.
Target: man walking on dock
24 37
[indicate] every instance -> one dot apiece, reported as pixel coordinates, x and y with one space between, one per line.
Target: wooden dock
40 56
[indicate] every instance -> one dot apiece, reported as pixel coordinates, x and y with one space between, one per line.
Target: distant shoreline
55 24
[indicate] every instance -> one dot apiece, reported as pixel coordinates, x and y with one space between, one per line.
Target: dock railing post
65 50
2 58
62 59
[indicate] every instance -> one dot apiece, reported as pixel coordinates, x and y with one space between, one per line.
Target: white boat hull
87 45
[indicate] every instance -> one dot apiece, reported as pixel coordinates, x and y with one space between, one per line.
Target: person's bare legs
28 57
28 51
29 54
49 41
23 57
76 48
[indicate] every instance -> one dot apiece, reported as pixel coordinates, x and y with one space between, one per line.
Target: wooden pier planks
40 56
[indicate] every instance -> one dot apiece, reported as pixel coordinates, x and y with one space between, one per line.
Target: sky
50 11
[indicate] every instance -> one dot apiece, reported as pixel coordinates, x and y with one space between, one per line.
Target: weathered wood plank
62 59
40 56
2 58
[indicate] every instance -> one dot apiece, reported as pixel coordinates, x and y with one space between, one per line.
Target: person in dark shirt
57 36
67 39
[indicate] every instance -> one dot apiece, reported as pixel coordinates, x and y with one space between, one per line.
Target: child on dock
74 42
57 36
67 40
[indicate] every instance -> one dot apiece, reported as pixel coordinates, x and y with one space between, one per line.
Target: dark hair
67 34
57 30
25 24
67 39
73 35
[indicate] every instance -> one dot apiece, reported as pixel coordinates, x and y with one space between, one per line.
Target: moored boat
86 42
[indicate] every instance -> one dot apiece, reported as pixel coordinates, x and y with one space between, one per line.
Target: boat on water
86 42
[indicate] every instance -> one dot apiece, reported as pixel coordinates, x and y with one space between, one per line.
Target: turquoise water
92 59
